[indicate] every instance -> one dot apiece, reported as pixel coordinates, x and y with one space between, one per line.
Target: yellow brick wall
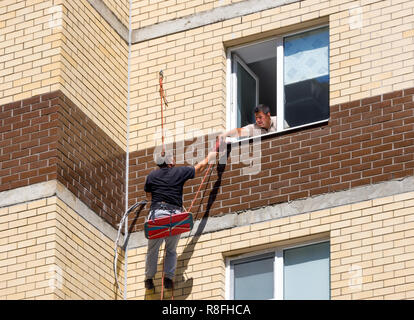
30 33
120 8
194 83
374 238
47 251
86 257
371 50
148 12
27 251
371 53
95 66
65 45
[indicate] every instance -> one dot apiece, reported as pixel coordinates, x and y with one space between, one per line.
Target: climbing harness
175 224
168 226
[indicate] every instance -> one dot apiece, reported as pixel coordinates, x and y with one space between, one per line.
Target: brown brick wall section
91 165
46 138
365 142
29 134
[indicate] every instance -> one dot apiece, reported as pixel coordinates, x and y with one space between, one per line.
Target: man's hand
200 167
233 133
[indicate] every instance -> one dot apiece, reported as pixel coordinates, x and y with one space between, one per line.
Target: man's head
262 115
165 159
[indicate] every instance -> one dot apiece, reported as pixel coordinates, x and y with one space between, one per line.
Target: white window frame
231 79
278 283
236 59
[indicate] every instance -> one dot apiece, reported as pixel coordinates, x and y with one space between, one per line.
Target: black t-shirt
166 184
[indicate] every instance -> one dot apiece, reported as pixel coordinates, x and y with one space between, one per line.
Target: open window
290 74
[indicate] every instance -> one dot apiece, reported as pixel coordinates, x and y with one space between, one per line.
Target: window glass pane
306 77
306 272
253 280
246 96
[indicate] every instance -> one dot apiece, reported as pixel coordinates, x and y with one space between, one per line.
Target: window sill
277 133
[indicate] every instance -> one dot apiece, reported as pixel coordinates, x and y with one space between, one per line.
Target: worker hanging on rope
167 220
164 189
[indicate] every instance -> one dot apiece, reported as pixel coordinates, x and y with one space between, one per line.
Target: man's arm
200 167
236 132
148 196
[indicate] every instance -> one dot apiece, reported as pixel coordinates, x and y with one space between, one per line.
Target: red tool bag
168 226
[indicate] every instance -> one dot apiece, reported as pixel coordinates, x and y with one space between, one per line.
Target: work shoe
168 283
149 284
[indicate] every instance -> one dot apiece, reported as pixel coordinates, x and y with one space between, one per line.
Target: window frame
236 59
231 79
278 265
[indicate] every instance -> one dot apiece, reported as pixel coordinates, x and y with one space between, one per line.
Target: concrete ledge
330 200
211 224
111 18
205 18
27 194
185 23
82 209
54 188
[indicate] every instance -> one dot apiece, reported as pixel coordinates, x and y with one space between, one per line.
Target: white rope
127 145
121 223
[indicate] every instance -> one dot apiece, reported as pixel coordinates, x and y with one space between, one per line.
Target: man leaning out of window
265 123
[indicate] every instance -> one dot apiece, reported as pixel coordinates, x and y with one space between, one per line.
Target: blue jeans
171 243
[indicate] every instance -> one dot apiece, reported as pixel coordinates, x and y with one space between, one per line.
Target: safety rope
216 148
201 184
163 99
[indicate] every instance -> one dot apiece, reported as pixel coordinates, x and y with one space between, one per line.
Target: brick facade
47 137
53 253
374 238
30 132
365 142
370 54
63 126
42 51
